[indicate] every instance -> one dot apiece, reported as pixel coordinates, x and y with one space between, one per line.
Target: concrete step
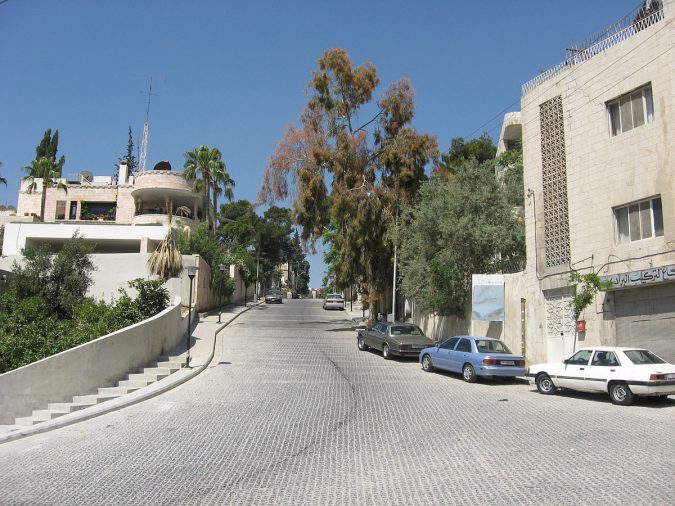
25 421
161 368
42 415
117 391
150 377
134 383
66 407
167 362
90 399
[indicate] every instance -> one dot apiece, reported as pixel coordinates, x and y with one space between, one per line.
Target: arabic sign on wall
645 277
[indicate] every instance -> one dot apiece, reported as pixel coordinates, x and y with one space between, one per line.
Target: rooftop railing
635 22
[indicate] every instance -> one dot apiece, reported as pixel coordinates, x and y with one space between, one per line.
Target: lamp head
191 271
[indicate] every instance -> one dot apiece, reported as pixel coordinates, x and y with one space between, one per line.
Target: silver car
334 301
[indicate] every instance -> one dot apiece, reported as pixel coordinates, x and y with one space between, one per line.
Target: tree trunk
43 201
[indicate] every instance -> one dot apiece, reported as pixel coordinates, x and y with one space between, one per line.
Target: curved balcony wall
160 179
162 219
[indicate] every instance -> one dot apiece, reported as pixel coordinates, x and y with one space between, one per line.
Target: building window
73 210
641 220
631 110
60 209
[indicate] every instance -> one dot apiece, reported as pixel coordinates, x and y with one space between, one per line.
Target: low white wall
98 363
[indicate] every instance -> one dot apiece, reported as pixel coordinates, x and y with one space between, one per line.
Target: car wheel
386 353
620 394
469 373
426 363
545 384
362 344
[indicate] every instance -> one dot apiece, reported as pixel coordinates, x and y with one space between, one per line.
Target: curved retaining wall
98 363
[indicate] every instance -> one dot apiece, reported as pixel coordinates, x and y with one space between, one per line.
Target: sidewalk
356 314
202 350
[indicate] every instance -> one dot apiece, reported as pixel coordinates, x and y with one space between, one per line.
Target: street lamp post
191 272
221 267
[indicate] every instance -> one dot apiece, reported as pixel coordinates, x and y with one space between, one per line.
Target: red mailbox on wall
581 325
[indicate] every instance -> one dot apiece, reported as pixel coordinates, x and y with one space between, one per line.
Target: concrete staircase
155 371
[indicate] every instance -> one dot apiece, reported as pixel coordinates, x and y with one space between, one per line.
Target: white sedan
621 372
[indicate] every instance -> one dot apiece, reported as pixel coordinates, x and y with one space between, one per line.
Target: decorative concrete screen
487 297
554 180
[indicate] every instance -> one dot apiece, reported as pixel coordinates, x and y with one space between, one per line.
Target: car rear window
407 330
642 357
488 346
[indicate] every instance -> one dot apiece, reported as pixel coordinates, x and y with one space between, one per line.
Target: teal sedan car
473 356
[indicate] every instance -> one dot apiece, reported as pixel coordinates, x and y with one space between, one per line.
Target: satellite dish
85 176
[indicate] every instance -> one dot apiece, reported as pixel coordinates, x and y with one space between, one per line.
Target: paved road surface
293 413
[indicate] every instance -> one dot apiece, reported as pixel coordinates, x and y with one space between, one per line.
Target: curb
153 390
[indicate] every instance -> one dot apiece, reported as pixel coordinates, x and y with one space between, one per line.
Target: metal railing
584 54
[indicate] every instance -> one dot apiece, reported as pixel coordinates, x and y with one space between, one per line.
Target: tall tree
461 225
46 170
203 161
132 164
48 148
223 184
338 170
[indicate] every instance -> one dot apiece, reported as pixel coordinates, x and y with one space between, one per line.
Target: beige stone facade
600 198
137 199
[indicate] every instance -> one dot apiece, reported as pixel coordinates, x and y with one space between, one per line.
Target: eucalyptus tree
49 172
200 166
337 169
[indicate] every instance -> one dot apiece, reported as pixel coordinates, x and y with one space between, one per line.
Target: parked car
621 372
473 357
295 295
274 296
334 301
401 339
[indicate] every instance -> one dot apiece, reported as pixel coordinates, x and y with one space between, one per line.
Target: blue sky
233 74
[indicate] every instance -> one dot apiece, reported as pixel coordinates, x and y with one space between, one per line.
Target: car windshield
489 346
338 297
642 357
408 330
273 292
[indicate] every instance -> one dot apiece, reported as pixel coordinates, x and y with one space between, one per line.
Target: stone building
598 151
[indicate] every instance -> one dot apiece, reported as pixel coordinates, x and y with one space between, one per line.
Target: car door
458 356
573 374
375 336
604 367
441 358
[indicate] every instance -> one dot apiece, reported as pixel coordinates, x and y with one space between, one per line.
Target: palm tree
222 185
49 171
205 161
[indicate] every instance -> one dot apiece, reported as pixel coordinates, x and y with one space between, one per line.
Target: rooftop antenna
146 126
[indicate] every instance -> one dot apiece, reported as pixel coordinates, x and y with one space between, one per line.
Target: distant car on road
473 356
334 301
295 295
274 296
401 339
618 371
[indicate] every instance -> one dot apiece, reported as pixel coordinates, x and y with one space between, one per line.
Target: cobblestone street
293 413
